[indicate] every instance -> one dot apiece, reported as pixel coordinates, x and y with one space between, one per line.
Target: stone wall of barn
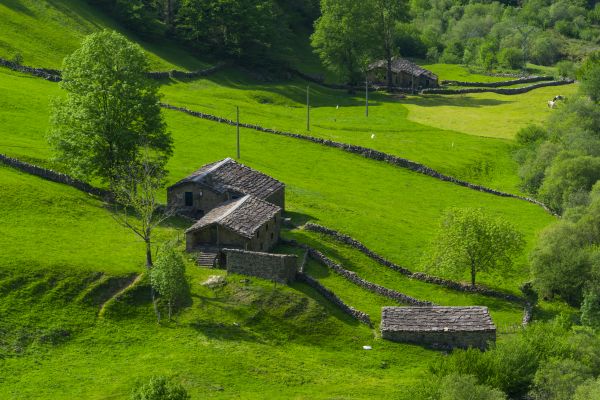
278 198
204 199
443 340
280 268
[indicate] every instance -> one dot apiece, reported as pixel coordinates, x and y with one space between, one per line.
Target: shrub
511 57
433 54
590 309
17 59
558 379
455 387
546 49
566 69
168 276
531 134
159 388
588 390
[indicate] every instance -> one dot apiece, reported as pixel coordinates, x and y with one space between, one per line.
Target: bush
558 379
17 59
455 387
546 49
511 57
590 309
531 134
453 53
433 54
159 388
566 69
588 390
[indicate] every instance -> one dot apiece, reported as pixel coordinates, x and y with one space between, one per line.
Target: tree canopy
471 240
111 111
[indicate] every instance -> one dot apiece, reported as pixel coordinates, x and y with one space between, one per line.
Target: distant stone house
405 74
221 181
247 223
439 327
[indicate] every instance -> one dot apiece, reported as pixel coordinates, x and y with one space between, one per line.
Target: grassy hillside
43 32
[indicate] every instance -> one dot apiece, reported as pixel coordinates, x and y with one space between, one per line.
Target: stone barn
221 181
439 327
247 223
405 74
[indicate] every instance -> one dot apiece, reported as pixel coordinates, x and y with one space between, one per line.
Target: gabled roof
403 65
229 175
243 216
436 319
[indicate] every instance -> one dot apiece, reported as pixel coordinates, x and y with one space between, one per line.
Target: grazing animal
551 104
559 97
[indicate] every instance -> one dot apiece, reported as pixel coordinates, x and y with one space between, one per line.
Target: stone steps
207 259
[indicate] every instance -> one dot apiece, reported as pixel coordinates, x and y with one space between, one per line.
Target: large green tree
471 240
111 111
342 37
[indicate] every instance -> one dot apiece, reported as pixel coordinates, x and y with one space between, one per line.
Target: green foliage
110 111
531 134
557 379
342 38
168 276
470 239
588 390
590 85
566 69
159 388
511 58
454 387
546 49
590 308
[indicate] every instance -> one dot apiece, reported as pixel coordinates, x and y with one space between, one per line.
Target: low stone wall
363 152
48 74
280 268
357 280
329 295
506 91
529 79
443 340
53 176
340 237
54 75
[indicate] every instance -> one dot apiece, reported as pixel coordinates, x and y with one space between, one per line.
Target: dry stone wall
506 91
443 340
280 268
340 237
363 152
530 79
48 74
329 295
53 176
356 279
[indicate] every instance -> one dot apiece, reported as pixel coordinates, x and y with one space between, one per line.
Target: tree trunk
148 268
473 272
389 72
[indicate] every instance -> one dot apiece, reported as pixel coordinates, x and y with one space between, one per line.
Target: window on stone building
189 199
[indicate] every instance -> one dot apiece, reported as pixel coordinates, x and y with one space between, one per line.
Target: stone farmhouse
405 74
439 327
247 223
222 181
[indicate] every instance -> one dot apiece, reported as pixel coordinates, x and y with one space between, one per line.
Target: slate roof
436 319
229 175
243 216
403 65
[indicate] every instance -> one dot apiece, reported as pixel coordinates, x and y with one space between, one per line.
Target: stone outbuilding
247 223
439 327
405 74
222 181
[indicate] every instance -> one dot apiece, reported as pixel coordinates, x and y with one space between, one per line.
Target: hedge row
363 152
529 79
506 91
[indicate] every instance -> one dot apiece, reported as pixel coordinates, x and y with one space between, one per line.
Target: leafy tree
385 16
168 276
111 110
137 208
469 239
159 388
341 37
588 390
590 309
566 69
590 79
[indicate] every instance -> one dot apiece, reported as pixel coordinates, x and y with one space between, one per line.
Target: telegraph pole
237 124
308 108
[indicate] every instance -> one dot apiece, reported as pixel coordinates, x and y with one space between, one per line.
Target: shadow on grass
18 6
458 100
224 331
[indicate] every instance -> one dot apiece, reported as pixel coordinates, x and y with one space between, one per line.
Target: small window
189 199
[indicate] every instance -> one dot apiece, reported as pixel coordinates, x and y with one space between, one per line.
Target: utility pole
308 108
237 124
367 96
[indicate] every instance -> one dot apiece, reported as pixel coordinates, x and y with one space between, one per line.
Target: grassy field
43 32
